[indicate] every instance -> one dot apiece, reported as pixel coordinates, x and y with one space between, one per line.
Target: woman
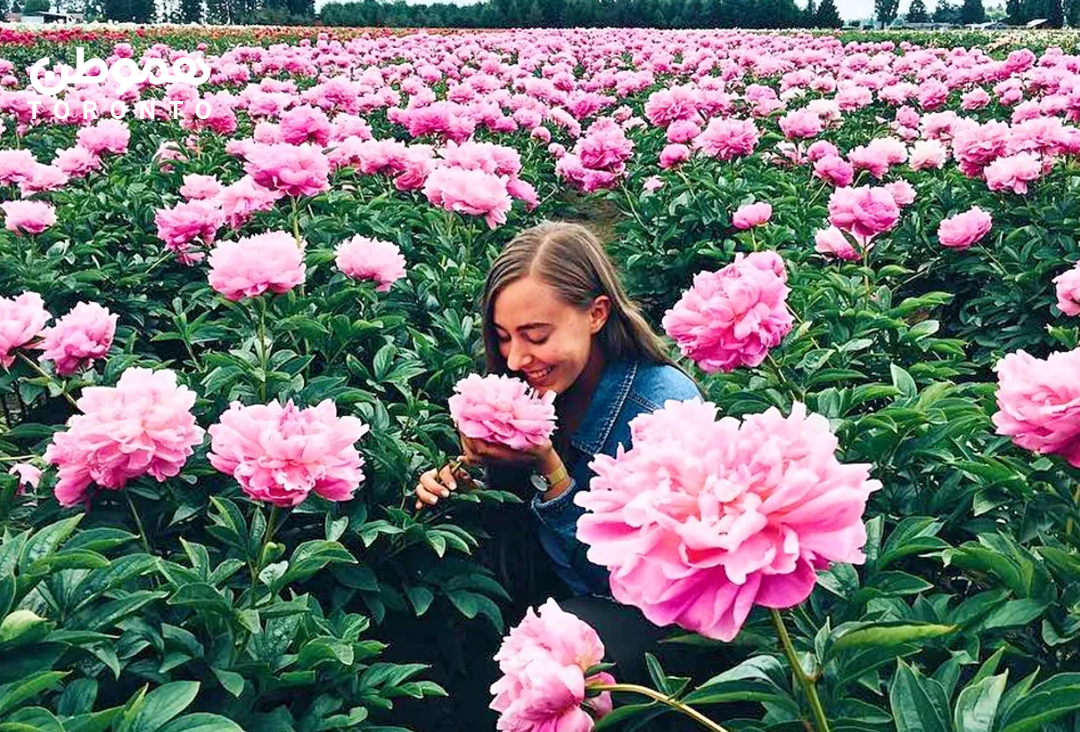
556 315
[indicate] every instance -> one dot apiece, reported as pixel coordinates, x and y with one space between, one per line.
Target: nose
517 357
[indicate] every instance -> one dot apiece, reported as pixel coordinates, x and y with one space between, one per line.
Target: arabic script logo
125 72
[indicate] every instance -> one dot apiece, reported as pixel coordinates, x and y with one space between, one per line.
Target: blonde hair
572 260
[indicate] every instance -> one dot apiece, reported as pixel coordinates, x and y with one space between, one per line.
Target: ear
599 313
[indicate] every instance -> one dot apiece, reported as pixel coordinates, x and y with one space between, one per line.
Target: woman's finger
431 483
425 497
446 475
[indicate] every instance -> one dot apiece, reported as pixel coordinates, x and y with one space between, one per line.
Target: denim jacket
625 390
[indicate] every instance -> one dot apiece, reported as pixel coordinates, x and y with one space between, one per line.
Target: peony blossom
733 317
78 338
927 154
141 426
502 409
198 187
864 212
21 321
280 454
902 192
28 217
726 138
1068 291
28 475
1039 403
964 229
702 519
181 225
472 192
1013 172
673 155
751 215
543 661
834 170
295 170
254 264
832 242
362 258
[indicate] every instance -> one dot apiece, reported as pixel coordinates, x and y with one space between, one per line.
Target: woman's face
544 340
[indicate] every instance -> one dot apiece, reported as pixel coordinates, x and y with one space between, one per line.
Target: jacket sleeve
560 514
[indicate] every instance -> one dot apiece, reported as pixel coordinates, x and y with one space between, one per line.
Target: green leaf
882 634
310 557
202 722
977 704
420 598
13 694
162 704
1050 700
916 705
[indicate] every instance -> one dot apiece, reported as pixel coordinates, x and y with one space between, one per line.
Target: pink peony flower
751 215
1068 291
295 170
362 258
254 264
502 409
141 426
182 224
78 338
280 454
727 138
28 475
239 200
77 161
702 518
543 661
28 217
199 187
733 317
801 124
902 192
1039 403
964 229
108 135
835 170
21 321
1013 172
305 124
16 166
821 149
927 154
673 155
652 183
682 131
472 192
832 242
864 212
43 178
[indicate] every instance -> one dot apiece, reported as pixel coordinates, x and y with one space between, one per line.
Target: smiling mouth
539 375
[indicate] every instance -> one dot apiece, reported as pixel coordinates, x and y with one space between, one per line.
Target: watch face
539 483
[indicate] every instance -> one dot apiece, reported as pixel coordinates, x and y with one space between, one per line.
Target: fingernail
434 500
453 485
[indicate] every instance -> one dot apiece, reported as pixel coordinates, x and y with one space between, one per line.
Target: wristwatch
544 483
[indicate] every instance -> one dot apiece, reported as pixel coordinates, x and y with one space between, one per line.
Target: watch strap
555 476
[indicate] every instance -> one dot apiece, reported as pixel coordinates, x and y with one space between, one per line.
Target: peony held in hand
543 661
733 317
281 453
141 426
1039 402
702 518
502 409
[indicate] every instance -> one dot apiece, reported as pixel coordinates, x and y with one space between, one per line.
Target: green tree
1072 13
917 12
1055 14
885 11
1014 9
946 13
33 7
827 15
972 12
191 11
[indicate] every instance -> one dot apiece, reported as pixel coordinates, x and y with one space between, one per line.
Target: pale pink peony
902 192
801 124
502 409
28 217
182 224
362 258
43 178
702 518
254 264
77 161
108 135
1013 172
280 454
733 317
673 155
1068 291
16 166
199 187
727 138
305 124
927 154
472 192
964 229
21 320
141 426
1039 403
295 170
29 476
751 215
239 200
78 338
543 687
864 212
832 242
834 170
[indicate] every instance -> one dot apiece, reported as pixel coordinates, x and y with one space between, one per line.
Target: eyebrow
527 326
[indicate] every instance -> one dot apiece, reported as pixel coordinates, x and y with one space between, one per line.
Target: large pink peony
362 258
751 214
78 338
502 409
543 687
254 264
733 317
702 518
282 453
472 192
21 321
28 217
295 170
1039 402
964 229
1067 287
726 138
864 212
141 426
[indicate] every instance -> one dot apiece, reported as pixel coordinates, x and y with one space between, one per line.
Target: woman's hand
480 452
436 484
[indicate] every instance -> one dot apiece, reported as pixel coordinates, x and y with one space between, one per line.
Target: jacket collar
604 407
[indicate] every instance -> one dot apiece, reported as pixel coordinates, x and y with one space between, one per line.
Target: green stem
50 377
1069 521
663 699
17 458
138 522
807 683
263 359
296 224
268 533
753 241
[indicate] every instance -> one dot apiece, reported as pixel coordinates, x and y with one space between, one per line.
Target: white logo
125 72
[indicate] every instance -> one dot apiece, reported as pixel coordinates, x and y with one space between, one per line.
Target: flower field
233 314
